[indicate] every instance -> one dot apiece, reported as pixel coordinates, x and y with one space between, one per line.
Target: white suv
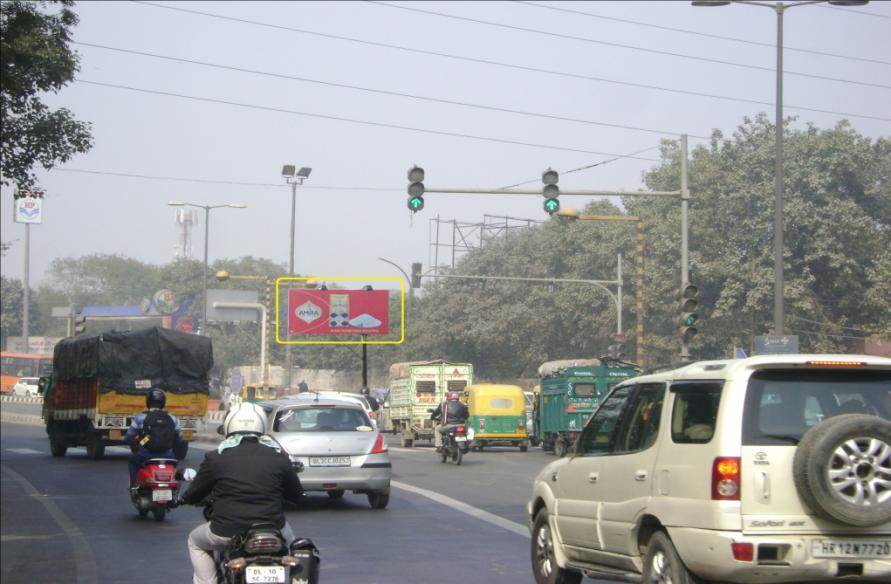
768 469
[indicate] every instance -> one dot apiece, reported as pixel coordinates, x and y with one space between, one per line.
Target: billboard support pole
26 289
364 361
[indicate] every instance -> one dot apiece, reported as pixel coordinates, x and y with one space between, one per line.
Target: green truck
570 392
415 388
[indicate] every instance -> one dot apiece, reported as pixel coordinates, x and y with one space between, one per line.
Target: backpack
158 431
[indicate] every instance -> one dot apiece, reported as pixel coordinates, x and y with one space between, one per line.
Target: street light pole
293 177
411 290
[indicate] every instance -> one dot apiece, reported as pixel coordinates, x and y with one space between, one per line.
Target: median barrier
21 399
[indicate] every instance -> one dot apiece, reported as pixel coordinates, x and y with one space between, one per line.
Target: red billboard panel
332 312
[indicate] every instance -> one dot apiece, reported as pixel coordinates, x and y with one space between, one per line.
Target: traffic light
416 275
689 311
80 325
550 191
617 351
415 189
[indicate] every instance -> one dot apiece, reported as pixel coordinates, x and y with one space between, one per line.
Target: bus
16 365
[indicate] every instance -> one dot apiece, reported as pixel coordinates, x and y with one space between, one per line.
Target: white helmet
245 418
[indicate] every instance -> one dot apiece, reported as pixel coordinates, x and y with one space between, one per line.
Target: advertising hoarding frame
278 324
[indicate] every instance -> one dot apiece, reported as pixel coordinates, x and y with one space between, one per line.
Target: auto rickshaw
497 414
257 391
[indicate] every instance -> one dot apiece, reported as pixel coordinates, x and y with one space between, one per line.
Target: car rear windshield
320 419
781 405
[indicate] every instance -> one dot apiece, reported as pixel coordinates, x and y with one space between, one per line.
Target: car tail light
262 542
743 552
570 408
836 363
380 445
460 429
726 478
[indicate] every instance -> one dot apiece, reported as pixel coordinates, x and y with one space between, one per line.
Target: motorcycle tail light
289 561
163 476
521 424
482 424
460 430
263 542
380 445
237 564
726 478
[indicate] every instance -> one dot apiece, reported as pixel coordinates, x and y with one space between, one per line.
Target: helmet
365 391
156 398
245 418
453 396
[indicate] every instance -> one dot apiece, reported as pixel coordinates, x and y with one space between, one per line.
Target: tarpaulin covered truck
417 386
100 381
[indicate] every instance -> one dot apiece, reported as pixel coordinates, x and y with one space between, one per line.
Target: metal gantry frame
467 236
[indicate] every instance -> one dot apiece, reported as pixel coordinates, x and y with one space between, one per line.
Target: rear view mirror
220 429
187 474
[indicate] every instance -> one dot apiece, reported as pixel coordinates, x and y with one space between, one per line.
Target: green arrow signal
416 203
551 206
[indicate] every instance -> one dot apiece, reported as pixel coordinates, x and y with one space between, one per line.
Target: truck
100 380
415 388
570 391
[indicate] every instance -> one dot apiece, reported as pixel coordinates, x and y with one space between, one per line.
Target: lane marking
84 563
497 520
23 451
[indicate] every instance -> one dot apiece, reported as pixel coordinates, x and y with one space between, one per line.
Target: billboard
333 312
28 209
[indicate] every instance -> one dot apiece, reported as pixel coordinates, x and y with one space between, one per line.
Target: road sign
333 312
28 210
232 314
776 345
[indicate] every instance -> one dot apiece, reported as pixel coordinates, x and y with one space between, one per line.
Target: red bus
16 365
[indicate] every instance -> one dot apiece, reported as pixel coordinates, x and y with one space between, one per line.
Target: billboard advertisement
333 312
28 209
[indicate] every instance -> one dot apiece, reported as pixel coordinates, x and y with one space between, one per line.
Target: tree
11 300
35 58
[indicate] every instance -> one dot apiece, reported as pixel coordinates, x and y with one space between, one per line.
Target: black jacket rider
456 412
248 483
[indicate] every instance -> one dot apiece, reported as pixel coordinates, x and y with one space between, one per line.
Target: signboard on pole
28 209
776 345
232 314
333 312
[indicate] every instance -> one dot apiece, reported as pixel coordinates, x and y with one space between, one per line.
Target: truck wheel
57 447
663 564
534 441
524 447
95 447
544 562
841 469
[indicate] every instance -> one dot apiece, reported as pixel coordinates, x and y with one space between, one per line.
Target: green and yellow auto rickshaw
497 414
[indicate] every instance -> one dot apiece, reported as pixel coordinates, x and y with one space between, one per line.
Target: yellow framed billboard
330 311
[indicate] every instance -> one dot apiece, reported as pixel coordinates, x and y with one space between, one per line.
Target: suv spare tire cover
842 470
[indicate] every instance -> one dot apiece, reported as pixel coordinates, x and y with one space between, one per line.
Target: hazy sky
342 229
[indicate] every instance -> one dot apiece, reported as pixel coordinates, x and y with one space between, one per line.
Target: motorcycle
456 442
157 485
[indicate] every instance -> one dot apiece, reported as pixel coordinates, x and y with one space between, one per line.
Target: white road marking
457 505
24 451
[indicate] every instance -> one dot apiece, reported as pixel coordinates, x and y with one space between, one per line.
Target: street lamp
293 177
779 8
411 290
207 209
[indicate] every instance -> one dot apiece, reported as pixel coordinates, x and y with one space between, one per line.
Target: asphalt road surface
70 520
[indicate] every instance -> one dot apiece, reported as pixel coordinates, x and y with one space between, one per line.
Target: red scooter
157 485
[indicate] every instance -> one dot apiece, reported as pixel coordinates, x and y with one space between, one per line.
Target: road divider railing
21 399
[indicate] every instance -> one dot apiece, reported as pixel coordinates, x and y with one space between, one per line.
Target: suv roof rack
667 367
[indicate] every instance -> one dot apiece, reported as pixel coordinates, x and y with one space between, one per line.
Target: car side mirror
220 429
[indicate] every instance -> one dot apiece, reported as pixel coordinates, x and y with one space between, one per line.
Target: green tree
35 58
11 301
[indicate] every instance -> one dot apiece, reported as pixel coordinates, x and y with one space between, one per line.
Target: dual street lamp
779 8
207 209
293 177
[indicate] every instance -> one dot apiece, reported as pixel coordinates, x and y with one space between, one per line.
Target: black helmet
365 391
156 398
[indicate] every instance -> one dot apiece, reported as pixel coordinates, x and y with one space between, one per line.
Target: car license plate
329 461
264 574
460 439
834 548
161 495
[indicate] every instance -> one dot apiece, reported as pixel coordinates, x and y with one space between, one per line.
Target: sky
352 209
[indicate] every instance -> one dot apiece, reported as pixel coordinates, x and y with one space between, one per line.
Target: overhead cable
623 46
699 33
857 11
356 121
385 92
503 64
586 167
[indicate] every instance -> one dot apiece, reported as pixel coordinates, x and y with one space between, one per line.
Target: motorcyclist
450 412
153 433
248 475
372 401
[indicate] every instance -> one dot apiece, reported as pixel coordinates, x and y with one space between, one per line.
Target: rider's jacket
456 412
247 483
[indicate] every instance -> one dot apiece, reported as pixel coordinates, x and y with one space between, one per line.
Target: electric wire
383 91
357 121
828 324
699 33
623 46
858 11
505 65
586 167
821 334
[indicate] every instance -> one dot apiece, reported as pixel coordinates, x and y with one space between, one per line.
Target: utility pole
26 293
685 259
293 177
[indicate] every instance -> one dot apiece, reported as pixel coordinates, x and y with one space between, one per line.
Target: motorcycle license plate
460 439
264 574
831 548
162 495
329 461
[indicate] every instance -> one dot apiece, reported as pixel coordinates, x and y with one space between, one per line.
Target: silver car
337 443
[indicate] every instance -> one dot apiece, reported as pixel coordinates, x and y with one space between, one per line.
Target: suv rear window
320 419
781 405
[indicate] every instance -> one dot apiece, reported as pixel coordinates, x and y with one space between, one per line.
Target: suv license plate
834 548
329 461
162 495
264 574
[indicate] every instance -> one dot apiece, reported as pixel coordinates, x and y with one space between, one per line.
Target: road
445 524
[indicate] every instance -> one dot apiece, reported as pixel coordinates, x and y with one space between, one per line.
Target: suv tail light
726 478
380 445
743 551
521 424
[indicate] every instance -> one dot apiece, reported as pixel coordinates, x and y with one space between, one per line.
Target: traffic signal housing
416 275
80 325
415 189
550 191
689 311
